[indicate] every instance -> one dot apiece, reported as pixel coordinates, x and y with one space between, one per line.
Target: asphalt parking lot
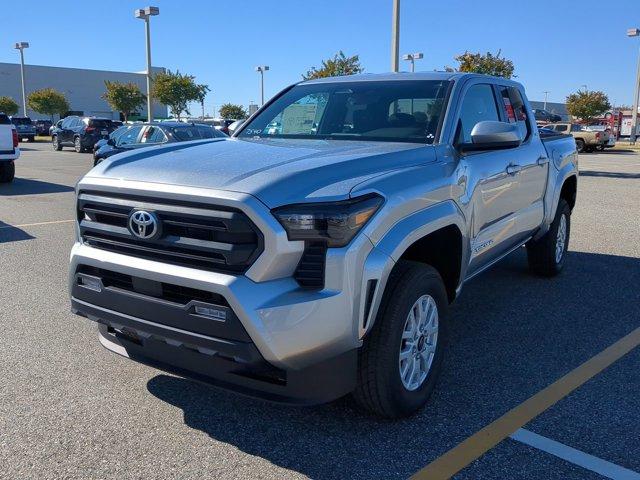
71 409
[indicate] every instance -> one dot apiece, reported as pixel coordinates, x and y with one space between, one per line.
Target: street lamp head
418 56
262 68
21 45
146 12
407 56
633 32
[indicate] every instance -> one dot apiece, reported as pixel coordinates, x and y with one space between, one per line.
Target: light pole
21 46
412 57
635 32
262 69
395 36
145 14
546 95
585 88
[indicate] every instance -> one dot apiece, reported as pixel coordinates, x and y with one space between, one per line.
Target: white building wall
83 88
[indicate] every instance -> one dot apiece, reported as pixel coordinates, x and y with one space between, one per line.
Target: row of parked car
588 138
105 137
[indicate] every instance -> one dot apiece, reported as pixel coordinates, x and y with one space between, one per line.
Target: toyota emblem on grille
143 224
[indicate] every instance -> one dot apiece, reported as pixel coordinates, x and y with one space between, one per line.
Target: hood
277 171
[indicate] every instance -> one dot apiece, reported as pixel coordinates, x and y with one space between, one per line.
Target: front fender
392 245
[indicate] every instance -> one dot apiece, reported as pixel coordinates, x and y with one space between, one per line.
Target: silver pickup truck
303 263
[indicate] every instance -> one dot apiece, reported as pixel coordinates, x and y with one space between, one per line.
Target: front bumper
278 342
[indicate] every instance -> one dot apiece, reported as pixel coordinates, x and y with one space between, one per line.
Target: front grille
192 235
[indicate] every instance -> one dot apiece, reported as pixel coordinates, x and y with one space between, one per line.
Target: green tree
8 105
176 91
489 64
229 110
48 101
124 97
337 66
587 105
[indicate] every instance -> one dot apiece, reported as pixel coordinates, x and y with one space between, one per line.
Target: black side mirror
111 142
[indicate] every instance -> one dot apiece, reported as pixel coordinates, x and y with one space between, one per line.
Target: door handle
513 169
542 161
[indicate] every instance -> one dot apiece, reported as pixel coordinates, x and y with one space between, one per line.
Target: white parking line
36 224
584 460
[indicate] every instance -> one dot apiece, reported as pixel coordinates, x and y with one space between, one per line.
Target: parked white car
9 151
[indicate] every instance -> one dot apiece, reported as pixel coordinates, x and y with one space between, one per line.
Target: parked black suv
81 132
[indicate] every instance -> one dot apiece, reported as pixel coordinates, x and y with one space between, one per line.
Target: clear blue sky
556 46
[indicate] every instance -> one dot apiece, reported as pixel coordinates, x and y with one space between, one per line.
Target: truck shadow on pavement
27 186
511 334
9 233
593 173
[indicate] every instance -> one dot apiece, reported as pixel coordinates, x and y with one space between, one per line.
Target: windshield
391 111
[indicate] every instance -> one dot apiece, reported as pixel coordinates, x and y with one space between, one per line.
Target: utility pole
412 57
546 94
395 37
635 32
145 14
21 46
261 69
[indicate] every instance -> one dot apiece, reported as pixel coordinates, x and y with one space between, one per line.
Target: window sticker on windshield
298 119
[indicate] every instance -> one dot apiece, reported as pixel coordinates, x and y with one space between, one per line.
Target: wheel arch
421 237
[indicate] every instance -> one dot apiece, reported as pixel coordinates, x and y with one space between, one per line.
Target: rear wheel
7 172
580 145
55 143
401 357
546 255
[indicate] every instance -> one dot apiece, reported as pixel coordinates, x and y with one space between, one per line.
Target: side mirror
492 135
111 142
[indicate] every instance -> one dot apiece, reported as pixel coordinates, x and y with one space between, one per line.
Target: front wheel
7 172
580 145
546 255
77 145
55 143
401 358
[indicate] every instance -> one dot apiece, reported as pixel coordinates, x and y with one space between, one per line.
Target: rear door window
153 135
561 128
130 137
516 111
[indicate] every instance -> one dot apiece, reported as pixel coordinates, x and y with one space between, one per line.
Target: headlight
335 222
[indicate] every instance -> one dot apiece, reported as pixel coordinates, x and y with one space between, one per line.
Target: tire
580 145
31 139
7 172
380 388
77 145
546 256
55 143
600 148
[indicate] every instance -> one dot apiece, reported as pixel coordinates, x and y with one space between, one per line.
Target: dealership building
82 88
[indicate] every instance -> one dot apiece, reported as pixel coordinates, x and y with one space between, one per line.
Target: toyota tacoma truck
9 150
304 263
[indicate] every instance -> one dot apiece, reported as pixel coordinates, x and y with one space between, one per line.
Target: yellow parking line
36 224
485 439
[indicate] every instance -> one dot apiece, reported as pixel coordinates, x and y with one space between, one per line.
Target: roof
381 77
